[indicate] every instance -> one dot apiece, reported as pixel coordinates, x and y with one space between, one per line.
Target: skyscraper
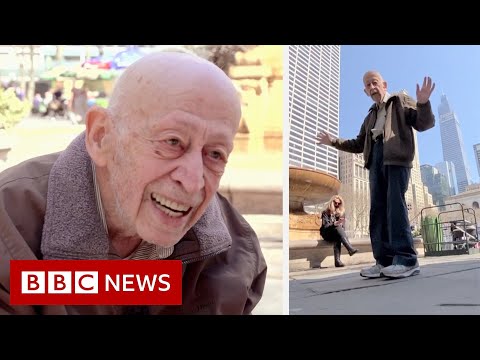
476 150
448 170
452 143
313 99
355 188
417 195
436 182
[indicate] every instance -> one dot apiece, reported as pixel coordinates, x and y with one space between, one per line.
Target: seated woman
332 228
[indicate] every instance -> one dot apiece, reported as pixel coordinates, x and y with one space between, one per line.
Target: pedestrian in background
333 228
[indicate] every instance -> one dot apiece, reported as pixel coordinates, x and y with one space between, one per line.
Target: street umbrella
127 57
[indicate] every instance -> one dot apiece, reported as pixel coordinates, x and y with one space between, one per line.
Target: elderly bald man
141 183
388 145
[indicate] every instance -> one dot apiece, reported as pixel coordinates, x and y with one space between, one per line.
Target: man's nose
189 173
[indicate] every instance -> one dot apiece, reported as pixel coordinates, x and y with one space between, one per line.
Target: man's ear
385 85
366 92
98 135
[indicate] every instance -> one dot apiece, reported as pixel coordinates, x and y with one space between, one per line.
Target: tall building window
314 83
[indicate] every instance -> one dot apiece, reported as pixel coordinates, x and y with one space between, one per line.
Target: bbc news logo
95 282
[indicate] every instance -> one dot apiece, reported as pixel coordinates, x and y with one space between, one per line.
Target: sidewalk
447 285
270 234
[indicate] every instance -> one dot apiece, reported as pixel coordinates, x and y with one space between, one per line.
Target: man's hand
424 93
324 138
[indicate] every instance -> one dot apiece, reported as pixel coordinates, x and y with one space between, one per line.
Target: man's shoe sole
408 273
372 276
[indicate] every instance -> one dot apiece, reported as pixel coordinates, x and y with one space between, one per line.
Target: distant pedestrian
79 100
37 102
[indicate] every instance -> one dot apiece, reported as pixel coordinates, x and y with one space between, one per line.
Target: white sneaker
374 271
401 271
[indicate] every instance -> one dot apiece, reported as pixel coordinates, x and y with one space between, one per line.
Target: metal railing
451 232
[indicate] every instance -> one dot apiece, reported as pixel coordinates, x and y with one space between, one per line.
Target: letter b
59 282
33 282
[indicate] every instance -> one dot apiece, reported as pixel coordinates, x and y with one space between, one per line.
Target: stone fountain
307 186
313 186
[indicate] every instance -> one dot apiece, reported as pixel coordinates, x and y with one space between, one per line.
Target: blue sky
455 70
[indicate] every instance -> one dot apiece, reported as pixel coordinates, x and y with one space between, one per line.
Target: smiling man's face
167 146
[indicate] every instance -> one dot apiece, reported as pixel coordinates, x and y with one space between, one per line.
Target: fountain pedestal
312 186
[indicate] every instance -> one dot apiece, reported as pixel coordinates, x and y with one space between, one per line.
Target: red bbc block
95 282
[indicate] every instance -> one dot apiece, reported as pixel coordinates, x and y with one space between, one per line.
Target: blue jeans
390 234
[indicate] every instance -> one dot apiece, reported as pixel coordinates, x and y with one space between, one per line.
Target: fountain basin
310 185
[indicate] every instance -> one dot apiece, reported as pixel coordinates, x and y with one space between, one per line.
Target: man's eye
216 154
173 142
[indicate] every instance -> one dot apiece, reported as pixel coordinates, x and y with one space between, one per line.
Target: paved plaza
446 285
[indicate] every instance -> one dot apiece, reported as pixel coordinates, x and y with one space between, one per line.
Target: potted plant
12 110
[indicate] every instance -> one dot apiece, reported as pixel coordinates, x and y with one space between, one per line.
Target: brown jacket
403 114
223 277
